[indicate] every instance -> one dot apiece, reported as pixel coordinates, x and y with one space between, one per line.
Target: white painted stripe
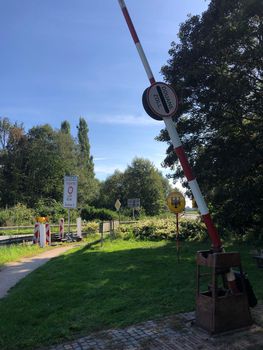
198 197
144 61
170 126
122 3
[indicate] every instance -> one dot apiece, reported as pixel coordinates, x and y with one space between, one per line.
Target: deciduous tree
216 69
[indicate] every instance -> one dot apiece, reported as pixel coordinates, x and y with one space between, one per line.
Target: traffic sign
70 192
176 202
117 205
160 101
134 203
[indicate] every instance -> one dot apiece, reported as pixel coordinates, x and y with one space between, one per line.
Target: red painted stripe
130 25
212 231
152 80
184 162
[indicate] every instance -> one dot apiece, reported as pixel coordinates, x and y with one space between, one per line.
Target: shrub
16 216
158 229
91 213
91 227
4 218
54 210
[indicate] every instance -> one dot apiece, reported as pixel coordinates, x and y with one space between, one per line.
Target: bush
54 210
91 227
5 218
91 213
159 229
16 216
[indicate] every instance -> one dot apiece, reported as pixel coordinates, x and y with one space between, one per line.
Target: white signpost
70 195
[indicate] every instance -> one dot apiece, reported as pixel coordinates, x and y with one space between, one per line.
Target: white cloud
97 159
125 120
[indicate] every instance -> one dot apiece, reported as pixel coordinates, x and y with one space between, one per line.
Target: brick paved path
171 333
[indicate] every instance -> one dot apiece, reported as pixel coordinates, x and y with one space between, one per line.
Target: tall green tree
143 180
86 160
111 189
65 127
88 185
67 149
45 169
216 69
13 167
140 180
5 127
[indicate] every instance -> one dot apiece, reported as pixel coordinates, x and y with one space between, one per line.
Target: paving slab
177 332
13 272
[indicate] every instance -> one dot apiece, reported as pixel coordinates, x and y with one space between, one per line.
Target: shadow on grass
92 289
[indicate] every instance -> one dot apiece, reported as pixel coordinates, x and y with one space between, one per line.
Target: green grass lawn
15 252
86 290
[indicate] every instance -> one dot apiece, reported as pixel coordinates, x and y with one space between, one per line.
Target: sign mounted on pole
70 192
117 205
160 101
134 203
176 202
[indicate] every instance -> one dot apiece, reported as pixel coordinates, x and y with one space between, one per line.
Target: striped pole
137 42
178 148
48 234
36 233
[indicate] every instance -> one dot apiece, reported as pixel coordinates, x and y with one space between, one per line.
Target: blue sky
62 59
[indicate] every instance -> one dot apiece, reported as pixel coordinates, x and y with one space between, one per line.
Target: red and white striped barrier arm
178 148
137 42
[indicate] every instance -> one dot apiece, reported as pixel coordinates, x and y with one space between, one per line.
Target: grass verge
15 252
86 290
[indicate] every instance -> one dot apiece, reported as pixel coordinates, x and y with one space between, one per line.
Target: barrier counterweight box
218 309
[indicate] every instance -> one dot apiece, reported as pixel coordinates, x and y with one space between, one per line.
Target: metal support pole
68 221
177 237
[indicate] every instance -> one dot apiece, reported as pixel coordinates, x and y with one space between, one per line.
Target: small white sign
70 192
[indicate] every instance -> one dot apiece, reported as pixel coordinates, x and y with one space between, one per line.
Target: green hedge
91 213
158 229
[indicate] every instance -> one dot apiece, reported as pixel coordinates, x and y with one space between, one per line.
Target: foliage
54 210
91 213
33 164
88 185
17 215
159 229
140 180
91 227
216 69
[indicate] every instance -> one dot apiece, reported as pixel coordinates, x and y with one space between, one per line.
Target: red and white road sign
70 192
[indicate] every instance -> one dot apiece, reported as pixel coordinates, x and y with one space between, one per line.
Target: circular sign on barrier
160 101
176 202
